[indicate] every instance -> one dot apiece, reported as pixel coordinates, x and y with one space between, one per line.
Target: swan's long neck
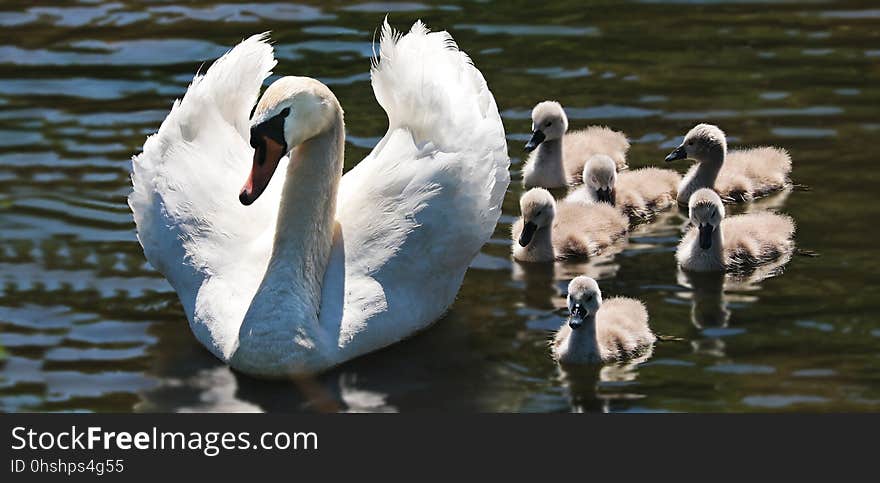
550 158
306 217
541 247
708 169
716 251
584 340
710 259
281 327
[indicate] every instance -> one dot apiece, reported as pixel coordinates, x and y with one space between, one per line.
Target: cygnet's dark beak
537 138
527 233
576 317
676 154
605 195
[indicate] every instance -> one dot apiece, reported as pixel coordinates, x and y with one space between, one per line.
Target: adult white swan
307 271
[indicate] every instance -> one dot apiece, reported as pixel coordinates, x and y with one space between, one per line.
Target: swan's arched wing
417 210
186 182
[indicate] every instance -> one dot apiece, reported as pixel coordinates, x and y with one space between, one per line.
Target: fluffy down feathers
578 231
748 174
640 194
644 192
543 168
622 331
757 238
579 146
749 241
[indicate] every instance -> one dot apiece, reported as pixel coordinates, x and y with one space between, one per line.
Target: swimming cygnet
738 243
738 175
557 157
548 231
640 194
598 331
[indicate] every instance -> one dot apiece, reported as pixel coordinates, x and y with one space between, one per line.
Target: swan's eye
690 143
284 112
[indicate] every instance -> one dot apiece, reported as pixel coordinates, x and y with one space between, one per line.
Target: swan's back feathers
579 146
430 88
186 180
442 167
425 83
752 173
645 191
756 238
586 230
622 328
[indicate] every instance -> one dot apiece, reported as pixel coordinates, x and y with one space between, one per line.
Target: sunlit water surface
87 325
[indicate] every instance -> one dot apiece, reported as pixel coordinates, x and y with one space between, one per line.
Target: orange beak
266 157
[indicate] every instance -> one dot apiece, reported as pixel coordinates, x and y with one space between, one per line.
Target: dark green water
87 325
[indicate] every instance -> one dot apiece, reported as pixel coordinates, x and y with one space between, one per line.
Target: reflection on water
87 325
603 388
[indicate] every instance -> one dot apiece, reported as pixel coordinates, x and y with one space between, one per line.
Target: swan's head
538 209
291 111
706 212
600 175
702 143
584 300
549 122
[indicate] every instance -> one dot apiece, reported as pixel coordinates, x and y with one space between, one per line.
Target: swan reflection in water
595 388
222 390
713 295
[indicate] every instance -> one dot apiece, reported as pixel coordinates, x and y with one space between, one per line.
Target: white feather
411 216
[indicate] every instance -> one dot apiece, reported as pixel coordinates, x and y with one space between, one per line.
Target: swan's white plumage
410 216
190 223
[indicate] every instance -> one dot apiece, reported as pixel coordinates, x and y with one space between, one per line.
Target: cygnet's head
549 122
291 111
600 175
702 143
538 209
706 212
584 300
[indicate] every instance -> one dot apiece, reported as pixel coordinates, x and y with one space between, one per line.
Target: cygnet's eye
589 298
690 143
548 123
538 213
